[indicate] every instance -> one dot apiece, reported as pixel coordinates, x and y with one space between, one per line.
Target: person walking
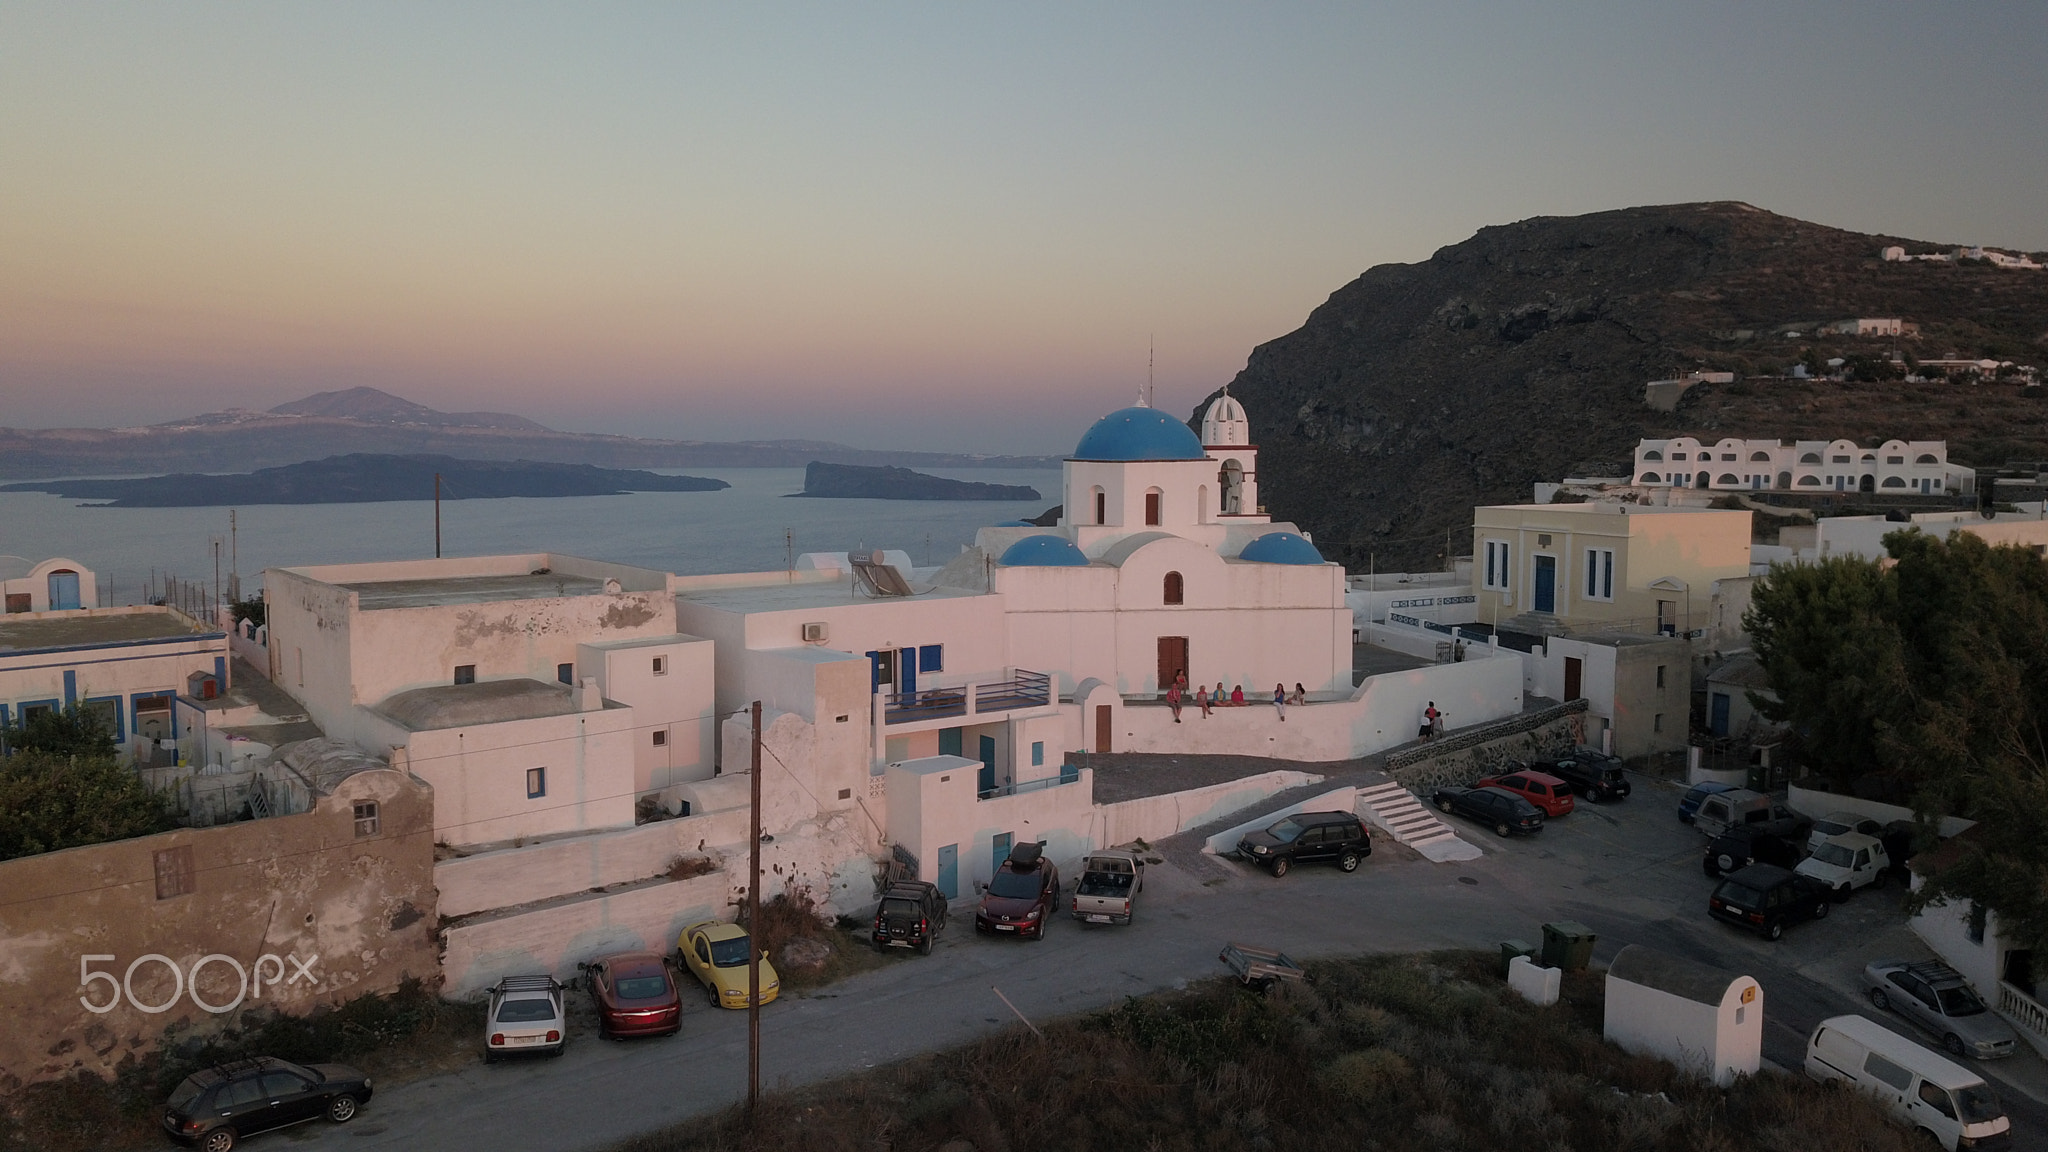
1280 701
1436 721
1202 700
1173 699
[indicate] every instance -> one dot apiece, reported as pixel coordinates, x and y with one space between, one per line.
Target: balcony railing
2023 1010
1024 689
1068 775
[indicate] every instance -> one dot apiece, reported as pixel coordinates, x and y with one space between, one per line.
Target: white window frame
1599 575
1496 578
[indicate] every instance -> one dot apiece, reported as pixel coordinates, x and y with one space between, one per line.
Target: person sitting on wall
1202 700
1300 694
1280 701
1173 699
1237 696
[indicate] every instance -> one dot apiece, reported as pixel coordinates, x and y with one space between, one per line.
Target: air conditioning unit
814 633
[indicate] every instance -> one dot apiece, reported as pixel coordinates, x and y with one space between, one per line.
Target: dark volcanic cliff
1419 390
860 482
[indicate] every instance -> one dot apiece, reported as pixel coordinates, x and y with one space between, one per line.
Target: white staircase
1395 809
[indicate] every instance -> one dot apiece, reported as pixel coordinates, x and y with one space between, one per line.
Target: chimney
588 698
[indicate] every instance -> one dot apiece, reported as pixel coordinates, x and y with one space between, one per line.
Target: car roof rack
527 984
1933 971
229 1068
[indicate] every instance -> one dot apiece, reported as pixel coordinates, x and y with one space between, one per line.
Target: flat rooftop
469 705
435 591
792 597
86 631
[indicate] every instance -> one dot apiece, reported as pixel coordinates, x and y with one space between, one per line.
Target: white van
1929 1092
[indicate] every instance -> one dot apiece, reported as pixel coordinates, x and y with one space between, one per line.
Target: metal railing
1024 689
1069 774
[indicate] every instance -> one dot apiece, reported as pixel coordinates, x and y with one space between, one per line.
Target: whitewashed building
1734 465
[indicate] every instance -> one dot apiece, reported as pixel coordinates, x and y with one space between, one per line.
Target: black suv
1764 898
214 1108
911 915
1740 847
1505 811
1306 837
1593 775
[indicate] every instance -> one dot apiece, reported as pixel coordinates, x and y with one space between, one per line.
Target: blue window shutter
931 658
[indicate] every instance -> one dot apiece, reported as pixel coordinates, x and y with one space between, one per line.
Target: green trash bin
1509 949
1568 944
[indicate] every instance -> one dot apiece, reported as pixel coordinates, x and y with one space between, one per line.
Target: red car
635 994
1545 791
1021 896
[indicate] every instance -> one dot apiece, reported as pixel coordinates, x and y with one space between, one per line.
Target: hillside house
1918 467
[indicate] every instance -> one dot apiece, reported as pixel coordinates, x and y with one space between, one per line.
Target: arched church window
1101 507
1173 588
1152 507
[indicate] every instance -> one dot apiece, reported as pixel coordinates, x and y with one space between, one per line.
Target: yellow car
716 954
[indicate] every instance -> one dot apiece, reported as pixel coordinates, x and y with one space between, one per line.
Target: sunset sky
903 226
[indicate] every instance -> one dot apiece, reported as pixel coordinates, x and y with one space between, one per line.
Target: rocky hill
857 482
361 478
1419 390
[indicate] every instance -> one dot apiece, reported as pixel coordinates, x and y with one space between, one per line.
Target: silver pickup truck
1110 883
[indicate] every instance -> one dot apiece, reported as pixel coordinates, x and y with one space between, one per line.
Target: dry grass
398 1037
1391 1054
794 914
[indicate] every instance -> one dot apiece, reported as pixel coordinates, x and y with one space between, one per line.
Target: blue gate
63 589
1002 851
949 871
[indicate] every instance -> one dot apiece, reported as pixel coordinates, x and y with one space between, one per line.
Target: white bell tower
1227 439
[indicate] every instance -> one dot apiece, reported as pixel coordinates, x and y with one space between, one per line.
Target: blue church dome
1139 434
1019 524
1043 552
1281 548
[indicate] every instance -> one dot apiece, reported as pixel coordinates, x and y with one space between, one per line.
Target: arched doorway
63 589
1700 481
1867 484
1231 479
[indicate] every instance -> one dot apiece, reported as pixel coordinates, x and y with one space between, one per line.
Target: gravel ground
1130 775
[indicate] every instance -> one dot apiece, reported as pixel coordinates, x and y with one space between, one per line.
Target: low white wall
1153 818
1386 711
1701 1038
1815 803
579 863
555 939
1335 800
1415 642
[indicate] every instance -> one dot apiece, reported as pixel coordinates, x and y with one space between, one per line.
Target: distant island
861 482
365 477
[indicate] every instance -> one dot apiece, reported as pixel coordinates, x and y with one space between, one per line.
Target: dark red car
1021 895
1548 793
635 993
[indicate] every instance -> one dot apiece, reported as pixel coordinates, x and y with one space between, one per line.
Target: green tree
50 801
70 731
1928 672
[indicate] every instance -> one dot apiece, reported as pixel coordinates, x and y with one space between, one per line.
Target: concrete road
1629 871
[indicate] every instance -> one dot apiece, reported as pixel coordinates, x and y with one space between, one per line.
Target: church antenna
1149 396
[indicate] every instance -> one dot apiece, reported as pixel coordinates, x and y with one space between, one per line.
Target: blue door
63 589
1002 852
988 763
949 742
1717 719
949 871
1546 583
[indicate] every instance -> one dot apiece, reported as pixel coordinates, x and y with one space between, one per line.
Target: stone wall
109 950
1462 757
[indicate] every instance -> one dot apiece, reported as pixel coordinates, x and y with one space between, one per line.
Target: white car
1836 823
1847 862
525 1015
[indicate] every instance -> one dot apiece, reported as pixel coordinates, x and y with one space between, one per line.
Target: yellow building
1559 567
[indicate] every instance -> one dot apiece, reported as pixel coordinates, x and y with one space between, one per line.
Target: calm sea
738 530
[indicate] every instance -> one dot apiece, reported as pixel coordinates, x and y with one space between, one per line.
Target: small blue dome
1018 524
1139 434
1281 548
1043 552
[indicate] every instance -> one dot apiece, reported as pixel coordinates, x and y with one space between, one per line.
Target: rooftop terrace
41 631
435 591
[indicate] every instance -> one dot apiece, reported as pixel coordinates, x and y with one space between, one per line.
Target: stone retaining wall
1462 757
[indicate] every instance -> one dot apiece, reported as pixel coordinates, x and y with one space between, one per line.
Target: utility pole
234 559
753 926
437 515
216 580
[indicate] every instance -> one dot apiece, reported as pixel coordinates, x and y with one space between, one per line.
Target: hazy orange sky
928 226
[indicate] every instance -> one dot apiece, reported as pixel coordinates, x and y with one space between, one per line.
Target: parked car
1505 812
1937 998
635 994
716 952
1900 837
1307 838
1689 804
1738 848
1836 823
1021 896
1107 891
213 1109
1941 1098
1740 806
1594 775
911 915
1764 898
1543 790
525 1015
1847 862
